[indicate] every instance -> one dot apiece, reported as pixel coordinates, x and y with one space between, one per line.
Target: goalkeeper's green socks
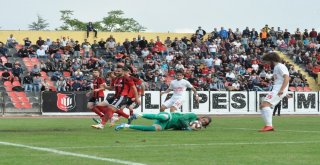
142 127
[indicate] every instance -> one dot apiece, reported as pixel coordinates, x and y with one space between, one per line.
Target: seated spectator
54 47
41 53
90 28
57 57
85 85
35 71
78 75
45 86
27 42
76 86
17 71
230 76
23 52
3 50
61 84
56 75
28 82
49 66
6 76
37 83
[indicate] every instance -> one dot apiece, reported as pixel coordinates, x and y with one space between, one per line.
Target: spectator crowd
219 60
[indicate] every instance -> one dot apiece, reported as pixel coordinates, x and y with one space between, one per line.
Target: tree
40 24
65 17
116 22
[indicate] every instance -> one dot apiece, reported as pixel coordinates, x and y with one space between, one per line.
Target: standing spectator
90 28
95 48
313 35
86 48
223 33
200 32
76 53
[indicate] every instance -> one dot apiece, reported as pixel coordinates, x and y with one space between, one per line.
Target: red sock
121 113
97 111
109 114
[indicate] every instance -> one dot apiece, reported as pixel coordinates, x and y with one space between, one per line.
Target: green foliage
40 24
114 22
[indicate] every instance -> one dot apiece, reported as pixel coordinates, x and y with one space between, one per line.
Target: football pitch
228 141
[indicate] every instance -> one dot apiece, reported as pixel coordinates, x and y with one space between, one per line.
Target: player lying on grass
165 121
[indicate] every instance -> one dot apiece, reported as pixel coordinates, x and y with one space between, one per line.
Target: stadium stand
217 61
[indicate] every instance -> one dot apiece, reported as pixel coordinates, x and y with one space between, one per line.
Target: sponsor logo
66 101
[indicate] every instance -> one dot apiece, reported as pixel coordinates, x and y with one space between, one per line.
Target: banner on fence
211 102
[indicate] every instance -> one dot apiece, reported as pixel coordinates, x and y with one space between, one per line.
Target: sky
170 15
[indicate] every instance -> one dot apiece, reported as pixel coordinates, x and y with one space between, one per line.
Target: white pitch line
183 145
70 153
282 130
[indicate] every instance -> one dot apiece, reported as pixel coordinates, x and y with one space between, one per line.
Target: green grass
230 140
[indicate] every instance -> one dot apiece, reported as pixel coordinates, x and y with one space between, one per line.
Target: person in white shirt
41 52
178 86
279 90
213 48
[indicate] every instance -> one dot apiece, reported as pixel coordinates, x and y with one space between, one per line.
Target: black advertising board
64 102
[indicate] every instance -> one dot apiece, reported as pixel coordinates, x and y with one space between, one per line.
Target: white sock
126 125
267 115
263 116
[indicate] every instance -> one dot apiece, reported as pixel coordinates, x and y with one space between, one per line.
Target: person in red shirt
97 94
122 86
132 103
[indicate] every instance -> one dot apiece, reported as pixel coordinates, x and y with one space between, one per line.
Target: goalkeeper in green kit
165 121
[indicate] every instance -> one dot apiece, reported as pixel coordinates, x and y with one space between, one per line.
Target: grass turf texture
229 140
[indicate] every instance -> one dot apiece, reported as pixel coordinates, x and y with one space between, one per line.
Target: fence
212 102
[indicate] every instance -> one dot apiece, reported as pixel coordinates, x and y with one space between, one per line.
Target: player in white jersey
279 90
178 86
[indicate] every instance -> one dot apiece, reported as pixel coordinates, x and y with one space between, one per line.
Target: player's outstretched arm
195 93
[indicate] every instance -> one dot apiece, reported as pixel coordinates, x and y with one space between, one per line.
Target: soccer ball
195 125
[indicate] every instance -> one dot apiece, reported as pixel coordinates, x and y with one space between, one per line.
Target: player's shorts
118 102
173 101
163 124
132 103
273 97
96 100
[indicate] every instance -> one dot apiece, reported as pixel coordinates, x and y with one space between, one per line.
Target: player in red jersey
122 85
97 95
132 104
